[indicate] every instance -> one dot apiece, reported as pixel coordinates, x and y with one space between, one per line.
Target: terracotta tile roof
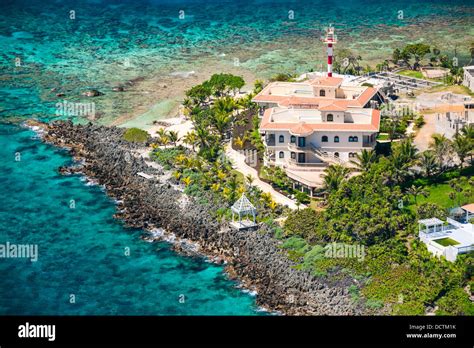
364 97
374 126
469 207
327 81
301 129
334 105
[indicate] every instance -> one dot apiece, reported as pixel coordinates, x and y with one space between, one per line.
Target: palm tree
416 191
442 148
462 146
232 185
428 162
191 139
468 131
225 105
249 179
161 132
203 136
364 160
258 86
173 136
408 151
334 176
221 122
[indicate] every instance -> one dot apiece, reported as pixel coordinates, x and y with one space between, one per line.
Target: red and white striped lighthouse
330 39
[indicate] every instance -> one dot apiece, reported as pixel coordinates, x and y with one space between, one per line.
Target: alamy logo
11 251
66 108
37 331
341 251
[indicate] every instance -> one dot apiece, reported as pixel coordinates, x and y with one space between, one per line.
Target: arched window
330 118
293 139
281 139
355 139
281 154
324 139
293 155
351 139
336 139
322 93
336 154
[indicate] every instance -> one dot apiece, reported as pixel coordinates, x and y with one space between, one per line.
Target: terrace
448 238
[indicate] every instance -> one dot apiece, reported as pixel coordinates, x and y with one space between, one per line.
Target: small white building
468 80
448 238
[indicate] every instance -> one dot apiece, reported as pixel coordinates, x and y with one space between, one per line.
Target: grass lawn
411 73
446 241
383 136
439 194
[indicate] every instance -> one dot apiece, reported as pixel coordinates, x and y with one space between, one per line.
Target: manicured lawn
411 73
439 194
383 136
446 242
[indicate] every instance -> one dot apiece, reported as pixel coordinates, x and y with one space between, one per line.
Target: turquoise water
81 251
43 51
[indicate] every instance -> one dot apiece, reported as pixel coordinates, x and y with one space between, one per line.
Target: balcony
294 162
294 147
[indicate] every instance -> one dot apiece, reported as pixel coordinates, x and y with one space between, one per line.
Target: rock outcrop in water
253 257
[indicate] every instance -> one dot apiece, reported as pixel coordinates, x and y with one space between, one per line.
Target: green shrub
166 157
455 302
295 243
136 135
419 121
374 304
302 223
311 257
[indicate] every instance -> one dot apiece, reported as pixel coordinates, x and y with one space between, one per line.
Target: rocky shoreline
251 257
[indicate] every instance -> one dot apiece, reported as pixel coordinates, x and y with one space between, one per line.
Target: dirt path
238 161
423 138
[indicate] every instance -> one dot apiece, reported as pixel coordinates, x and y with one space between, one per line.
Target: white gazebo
243 208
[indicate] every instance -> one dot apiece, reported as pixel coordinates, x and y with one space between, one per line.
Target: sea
89 263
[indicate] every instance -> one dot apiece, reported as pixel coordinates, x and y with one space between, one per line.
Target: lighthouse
330 39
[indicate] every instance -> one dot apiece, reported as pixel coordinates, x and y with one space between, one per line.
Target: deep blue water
82 250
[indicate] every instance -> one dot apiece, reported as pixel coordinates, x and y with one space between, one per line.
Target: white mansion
308 125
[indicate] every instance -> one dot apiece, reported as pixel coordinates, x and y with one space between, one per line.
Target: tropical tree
417 52
232 186
462 146
364 160
442 149
221 122
416 191
334 176
239 141
258 86
428 163
249 179
403 157
191 139
173 136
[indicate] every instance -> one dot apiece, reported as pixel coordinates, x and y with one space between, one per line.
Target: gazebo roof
243 206
430 222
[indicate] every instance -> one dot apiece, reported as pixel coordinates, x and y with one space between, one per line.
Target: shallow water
81 250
